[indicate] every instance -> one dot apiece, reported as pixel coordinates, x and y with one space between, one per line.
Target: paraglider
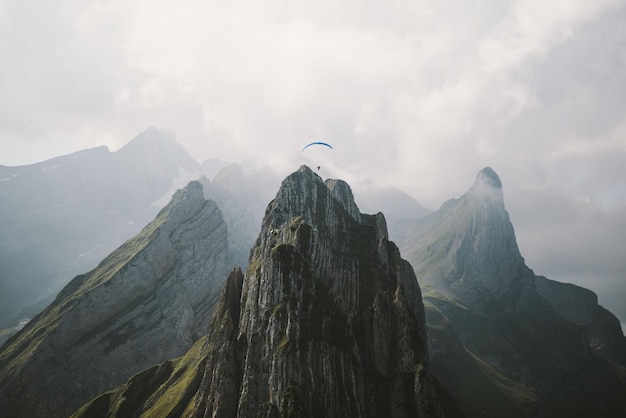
317 143
323 144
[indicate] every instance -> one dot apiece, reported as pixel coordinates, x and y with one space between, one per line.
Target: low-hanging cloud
420 95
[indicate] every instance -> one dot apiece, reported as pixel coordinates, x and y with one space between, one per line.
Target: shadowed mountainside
504 341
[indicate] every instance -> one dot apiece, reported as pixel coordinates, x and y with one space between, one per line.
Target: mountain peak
323 284
472 241
150 137
485 307
305 192
231 171
305 169
187 201
233 179
487 185
328 321
154 146
488 177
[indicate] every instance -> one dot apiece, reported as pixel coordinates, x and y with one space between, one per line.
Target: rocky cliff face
146 302
331 316
327 322
529 346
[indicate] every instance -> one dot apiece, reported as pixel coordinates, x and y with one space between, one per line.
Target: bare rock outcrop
328 321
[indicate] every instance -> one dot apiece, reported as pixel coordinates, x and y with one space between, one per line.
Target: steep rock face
472 244
328 304
147 302
327 322
60 217
529 346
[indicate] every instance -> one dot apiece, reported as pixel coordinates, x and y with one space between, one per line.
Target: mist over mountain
147 302
212 166
526 345
241 199
327 318
400 209
60 217
328 321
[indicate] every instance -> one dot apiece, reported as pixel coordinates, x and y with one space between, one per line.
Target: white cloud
422 95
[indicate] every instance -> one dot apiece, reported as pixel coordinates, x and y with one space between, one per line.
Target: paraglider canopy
317 143
316 156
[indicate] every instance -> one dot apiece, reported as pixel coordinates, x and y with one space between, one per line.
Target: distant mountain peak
156 144
233 170
481 299
488 177
487 184
472 241
63 215
233 178
152 133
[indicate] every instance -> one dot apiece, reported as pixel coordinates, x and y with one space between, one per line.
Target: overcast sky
421 94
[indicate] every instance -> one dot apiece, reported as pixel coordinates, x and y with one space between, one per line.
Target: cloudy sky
421 94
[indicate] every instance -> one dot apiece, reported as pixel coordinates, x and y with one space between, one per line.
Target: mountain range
324 317
328 321
61 217
148 301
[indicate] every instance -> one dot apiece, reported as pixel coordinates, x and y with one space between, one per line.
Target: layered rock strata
148 301
328 321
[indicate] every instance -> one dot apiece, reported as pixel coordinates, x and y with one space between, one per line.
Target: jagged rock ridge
323 284
148 301
528 346
327 322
